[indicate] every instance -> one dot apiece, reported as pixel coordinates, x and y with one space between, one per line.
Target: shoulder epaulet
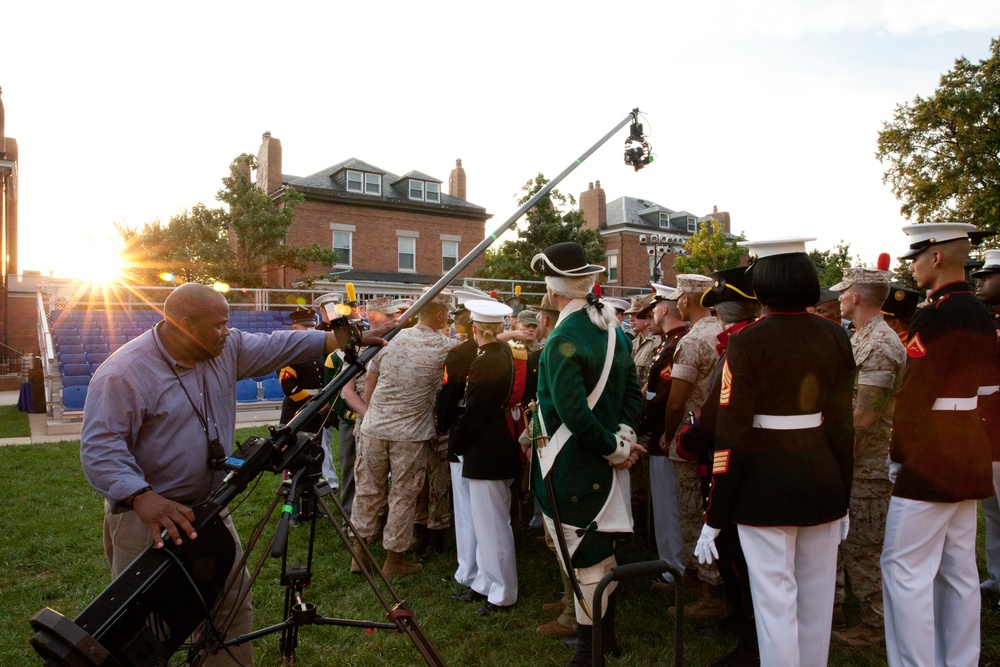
518 350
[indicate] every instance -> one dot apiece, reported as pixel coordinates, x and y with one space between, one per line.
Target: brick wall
633 260
374 241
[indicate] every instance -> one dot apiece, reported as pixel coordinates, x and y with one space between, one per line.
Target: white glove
845 526
627 433
893 469
705 549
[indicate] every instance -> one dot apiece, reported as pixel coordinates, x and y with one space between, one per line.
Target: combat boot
711 605
396 565
355 565
435 544
421 536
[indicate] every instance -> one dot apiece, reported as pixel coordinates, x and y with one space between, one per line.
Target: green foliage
941 151
709 250
830 264
236 243
547 222
901 275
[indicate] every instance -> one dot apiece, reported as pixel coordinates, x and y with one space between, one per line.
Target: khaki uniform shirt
880 357
410 370
643 351
694 361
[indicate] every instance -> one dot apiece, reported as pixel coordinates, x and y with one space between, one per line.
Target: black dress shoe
489 609
468 596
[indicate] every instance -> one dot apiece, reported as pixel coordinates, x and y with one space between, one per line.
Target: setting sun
98 260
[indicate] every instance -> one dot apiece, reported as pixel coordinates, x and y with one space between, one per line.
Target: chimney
456 181
269 164
723 217
594 206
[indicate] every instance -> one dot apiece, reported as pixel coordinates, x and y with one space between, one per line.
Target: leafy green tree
547 222
236 243
941 151
901 275
830 264
710 250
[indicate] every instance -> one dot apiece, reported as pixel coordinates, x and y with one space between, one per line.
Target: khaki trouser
376 458
126 538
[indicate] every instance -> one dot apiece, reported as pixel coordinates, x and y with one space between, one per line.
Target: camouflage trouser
376 458
692 512
859 555
434 504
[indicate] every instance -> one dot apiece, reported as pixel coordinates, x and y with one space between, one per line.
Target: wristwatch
129 502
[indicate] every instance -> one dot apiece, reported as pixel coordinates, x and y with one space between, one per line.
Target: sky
132 112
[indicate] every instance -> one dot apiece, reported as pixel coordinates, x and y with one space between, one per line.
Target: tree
236 243
942 150
901 275
546 223
830 264
709 249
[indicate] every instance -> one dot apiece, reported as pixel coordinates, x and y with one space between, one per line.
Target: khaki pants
376 458
126 538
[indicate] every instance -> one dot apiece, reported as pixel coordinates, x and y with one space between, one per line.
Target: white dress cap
923 236
771 247
468 293
488 312
665 292
616 303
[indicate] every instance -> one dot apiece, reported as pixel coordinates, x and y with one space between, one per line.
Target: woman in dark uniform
490 458
785 456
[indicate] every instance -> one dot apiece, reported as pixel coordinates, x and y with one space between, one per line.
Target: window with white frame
449 255
664 220
612 268
407 253
432 192
342 246
373 184
692 225
354 181
416 189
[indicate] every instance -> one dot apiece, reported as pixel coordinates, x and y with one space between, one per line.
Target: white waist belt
956 403
788 422
989 389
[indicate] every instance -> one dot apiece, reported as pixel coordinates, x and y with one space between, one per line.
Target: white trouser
991 512
793 573
495 558
329 468
465 534
666 514
930 584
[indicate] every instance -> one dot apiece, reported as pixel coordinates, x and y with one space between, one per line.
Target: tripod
306 486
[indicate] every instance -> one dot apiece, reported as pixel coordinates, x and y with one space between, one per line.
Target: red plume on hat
597 290
493 293
883 261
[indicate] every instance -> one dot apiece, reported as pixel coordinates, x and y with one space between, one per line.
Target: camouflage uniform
397 430
643 349
694 361
880 357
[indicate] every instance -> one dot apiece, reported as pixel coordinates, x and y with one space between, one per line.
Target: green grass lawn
51 555
13 422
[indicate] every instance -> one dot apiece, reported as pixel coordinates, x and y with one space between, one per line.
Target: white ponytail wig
578 288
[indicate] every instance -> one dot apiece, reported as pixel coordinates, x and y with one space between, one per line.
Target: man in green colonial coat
589 404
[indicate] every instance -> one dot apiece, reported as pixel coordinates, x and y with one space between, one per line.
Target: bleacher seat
96 347
117 339
269 376
91 340
131 333
72 349
76 369
246 391
68 340
91 332
75 380
272 390
74 397
73 359
97 358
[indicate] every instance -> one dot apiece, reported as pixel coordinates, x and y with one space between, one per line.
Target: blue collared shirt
140 428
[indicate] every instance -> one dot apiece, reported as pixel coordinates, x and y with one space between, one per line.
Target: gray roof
333 179
642 213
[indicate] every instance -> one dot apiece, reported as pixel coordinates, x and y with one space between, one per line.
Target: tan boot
355 565
860 636
396 565
710 606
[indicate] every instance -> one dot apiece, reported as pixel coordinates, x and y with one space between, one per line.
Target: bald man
161 411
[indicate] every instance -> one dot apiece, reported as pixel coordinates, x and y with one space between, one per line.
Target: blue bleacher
97 358
72 349
74 397
72 358
76 369
272 390
68 340
75 380
246 391
96 347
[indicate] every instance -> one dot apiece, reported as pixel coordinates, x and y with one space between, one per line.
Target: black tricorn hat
564 259
901 303
735 284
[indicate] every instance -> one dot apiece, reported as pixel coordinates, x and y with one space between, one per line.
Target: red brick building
628 226
403 230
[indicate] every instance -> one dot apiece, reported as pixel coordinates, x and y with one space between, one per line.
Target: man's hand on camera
160 514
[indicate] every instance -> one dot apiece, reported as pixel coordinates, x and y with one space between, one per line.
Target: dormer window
425 191
664 220
692 225
364 182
